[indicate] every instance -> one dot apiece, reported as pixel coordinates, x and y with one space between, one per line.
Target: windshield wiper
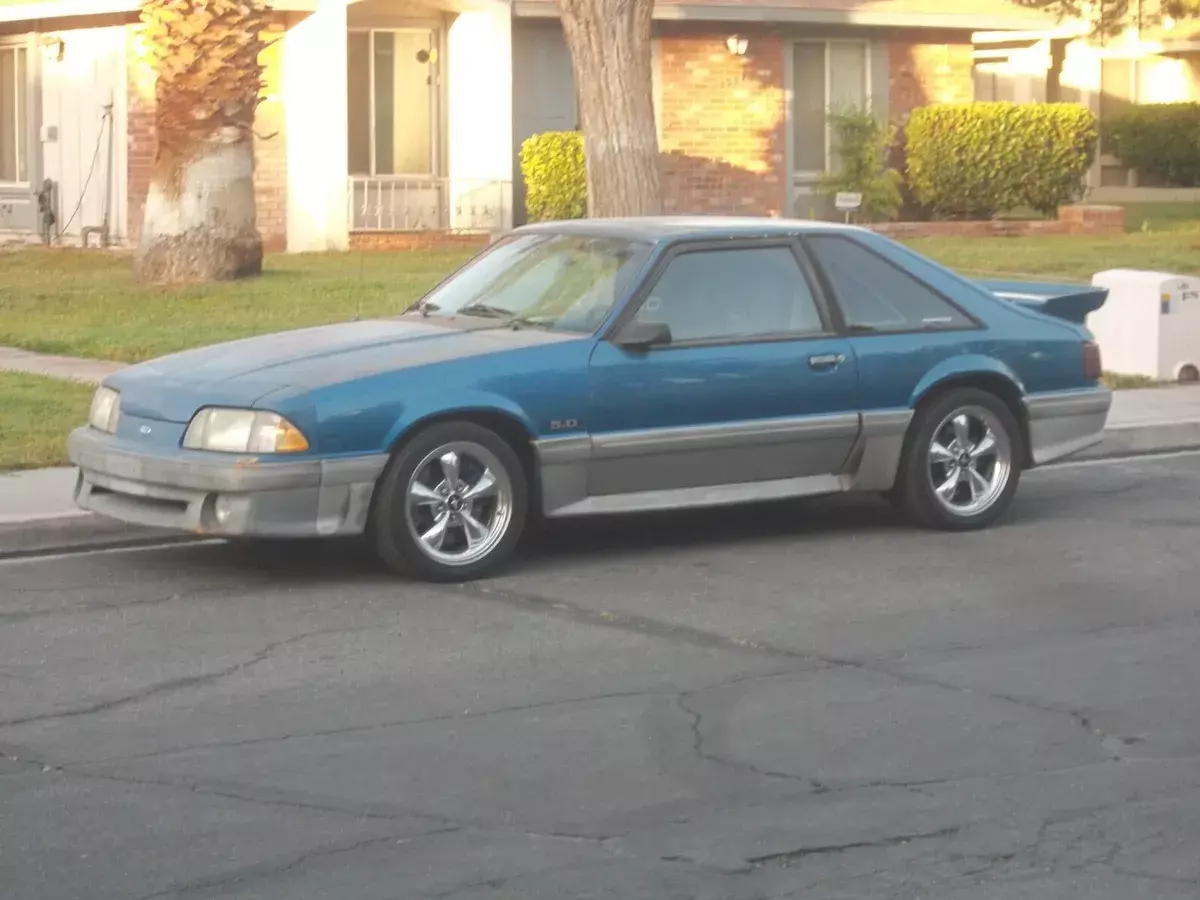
483 311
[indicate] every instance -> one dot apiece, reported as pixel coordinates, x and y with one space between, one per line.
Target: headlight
105 411
243 431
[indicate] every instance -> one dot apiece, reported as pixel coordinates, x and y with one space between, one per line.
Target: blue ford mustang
610 366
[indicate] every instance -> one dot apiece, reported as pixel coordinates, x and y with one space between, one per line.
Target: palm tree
200 217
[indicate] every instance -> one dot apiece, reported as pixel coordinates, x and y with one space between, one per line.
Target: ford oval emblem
145 429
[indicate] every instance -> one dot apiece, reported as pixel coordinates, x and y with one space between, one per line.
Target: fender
463 401
959 366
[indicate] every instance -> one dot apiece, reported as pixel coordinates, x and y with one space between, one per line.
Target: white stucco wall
480 111
74 139
314 97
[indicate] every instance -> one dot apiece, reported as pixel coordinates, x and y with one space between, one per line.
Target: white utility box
1150 324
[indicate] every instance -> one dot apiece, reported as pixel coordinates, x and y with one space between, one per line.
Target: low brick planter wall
1079 219
418 240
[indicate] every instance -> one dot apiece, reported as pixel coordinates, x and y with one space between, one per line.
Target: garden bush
862 143
555 176
1160 140
973 160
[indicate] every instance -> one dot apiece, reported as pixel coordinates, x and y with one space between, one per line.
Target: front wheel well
511 431
998 386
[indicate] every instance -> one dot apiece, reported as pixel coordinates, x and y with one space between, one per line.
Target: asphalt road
806 700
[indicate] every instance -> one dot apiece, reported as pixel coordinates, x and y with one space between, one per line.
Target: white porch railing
414 203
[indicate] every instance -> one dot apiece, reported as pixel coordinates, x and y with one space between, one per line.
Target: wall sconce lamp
53 47
736 45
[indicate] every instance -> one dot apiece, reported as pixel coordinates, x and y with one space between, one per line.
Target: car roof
661 228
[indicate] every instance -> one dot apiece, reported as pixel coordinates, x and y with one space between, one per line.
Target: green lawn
85 303
36 414
1056 258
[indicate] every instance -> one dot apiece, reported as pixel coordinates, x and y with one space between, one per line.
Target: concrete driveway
806 700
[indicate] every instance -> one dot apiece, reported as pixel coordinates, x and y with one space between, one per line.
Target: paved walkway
89 371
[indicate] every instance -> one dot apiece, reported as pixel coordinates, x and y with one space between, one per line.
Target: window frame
679 248
807 175
974 323
22 143
437 111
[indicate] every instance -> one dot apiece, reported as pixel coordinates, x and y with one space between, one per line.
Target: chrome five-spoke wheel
962 460
970 459
459 503
451 504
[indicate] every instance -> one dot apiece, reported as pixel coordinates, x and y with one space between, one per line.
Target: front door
753 394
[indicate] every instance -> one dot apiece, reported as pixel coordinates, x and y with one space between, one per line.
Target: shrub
862 143
1161 141
973 160
555 177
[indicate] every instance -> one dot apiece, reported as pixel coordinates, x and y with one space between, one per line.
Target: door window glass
733 294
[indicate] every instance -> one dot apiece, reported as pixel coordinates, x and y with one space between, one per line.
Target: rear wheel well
998 386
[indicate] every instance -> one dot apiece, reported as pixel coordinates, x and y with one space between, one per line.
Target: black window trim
976 324
829 324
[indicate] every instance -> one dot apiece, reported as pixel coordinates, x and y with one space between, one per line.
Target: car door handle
827 361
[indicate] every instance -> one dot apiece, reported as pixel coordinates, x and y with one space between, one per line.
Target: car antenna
362 277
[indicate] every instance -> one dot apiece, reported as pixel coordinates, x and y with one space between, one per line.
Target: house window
14 83
392 103
826 76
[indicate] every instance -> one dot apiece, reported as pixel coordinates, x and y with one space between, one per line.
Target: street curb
62 533
48 537
1142 440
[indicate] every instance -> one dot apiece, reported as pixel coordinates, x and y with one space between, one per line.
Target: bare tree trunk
200 220
609 42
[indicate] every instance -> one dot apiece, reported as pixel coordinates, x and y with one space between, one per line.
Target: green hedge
1162 141
973 160
555 176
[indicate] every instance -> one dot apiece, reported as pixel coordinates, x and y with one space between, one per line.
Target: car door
753 391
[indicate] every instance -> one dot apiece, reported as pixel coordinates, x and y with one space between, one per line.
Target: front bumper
212 494
1062 424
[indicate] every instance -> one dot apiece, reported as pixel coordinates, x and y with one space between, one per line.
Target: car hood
241 372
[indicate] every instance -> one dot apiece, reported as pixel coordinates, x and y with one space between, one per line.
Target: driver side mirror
643 335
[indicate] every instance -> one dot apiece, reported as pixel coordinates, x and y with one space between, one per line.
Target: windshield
557 281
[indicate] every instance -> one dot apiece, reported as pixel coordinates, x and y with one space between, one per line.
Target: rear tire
451 504
961 462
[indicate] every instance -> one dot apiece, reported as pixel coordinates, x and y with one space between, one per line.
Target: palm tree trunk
200 222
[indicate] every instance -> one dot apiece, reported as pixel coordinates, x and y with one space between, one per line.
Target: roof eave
749 14
64 9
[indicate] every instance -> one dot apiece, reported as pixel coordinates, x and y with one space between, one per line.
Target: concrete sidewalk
1154 420
89 371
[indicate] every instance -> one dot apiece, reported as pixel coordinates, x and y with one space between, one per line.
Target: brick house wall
722 126
270 144
723 118
921 73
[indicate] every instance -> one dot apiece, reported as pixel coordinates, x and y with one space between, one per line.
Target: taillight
1092 367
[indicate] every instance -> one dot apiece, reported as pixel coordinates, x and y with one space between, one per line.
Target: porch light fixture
53 46
736 45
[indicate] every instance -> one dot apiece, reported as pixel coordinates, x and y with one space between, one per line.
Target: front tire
451 504
961 462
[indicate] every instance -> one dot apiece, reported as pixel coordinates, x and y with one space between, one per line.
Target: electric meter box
1149 325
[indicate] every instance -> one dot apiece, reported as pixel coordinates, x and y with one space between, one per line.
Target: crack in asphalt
260 871
689 635
425 720
786 856
171 685
698 748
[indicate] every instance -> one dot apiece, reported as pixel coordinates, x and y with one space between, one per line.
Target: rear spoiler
1071 302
